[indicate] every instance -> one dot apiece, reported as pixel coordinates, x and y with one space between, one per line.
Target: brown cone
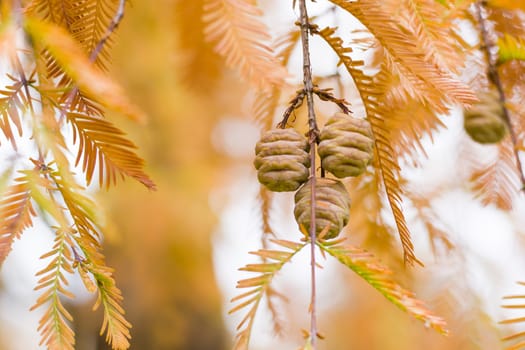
484 121
346 145
332 206
282 160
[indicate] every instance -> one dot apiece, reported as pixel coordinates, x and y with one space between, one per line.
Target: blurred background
176 251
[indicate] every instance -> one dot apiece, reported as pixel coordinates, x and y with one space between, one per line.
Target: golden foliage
53 326
114 324
12 105
435 37
418 57
73 61
83 214
235 28
517 338
103 145
497 181
86 22
16 212
372 91
421 78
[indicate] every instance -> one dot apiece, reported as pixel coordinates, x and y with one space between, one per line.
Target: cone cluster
484 122
282 161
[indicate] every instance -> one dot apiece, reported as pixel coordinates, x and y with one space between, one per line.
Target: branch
309 88
494 78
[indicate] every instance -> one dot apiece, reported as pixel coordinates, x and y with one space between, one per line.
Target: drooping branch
492 71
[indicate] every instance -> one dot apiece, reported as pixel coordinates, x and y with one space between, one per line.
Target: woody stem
308 87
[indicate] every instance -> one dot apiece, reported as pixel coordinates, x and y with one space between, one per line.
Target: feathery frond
53 326
81 208
265 200
239 35
114 324
434 36
57 12
104 145
16 212
422 79
74 62
86 21
386 160
372 91
13 102
520 336
285 45
90 22
259 285
510 48
407 120
439 239
264 108
83 213
379 277
497 181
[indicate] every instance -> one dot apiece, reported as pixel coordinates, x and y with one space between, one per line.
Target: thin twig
309 88
493 75
111 28
295 103
326 95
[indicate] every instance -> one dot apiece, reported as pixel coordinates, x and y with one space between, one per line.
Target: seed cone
332 206
282 160
346 145
484 121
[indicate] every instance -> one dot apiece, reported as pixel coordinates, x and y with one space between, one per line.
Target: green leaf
260 286
54 329
379 277
511 48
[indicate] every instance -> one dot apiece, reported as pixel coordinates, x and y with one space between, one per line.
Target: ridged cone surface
282 160
484 121
346 145
332 206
